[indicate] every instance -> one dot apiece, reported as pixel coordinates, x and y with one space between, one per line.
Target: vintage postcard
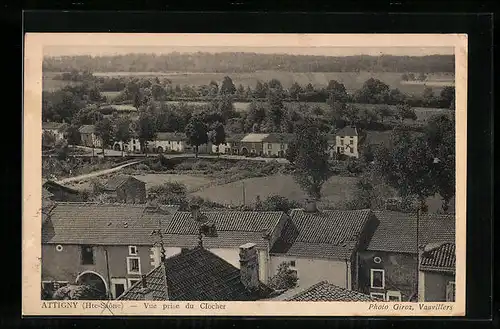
244 174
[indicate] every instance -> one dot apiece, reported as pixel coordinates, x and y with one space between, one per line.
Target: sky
320 51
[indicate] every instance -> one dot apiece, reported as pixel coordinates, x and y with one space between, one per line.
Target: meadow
352 80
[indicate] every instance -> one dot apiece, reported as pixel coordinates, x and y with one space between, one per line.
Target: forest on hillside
232 62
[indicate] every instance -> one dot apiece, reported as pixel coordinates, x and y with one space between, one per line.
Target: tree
275 84
337 90
368 116
295 91
123 132
276 108
196 133
440 136
48 139
384 111
170 193
404 77
407 166
405 111
61 149
308 156
260 91
351 114
145 129
309 88
284 279
72 135
217 135
373 91
105 131
227 86
447 96
256 115
214 88
88 115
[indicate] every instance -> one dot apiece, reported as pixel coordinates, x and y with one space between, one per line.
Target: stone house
126 189
88 136
436 276
347 142
275 145
388 267
322 245
107 245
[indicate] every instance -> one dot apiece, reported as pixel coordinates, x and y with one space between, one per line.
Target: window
269 153
269 146
351 150
450 291
133 265
59 247
132 250
377 278
131 282
351 142
282 146
87 255
377 295
118 286
291 263
393 296
341 142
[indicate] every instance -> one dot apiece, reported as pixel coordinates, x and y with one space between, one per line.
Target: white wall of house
223 148
347 145
232 256
311 271
130 146
273 149
59 135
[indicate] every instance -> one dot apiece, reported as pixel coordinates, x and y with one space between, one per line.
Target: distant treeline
249 62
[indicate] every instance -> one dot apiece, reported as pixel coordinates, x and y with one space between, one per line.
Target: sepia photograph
244 174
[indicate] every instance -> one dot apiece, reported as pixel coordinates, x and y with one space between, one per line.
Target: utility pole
109 277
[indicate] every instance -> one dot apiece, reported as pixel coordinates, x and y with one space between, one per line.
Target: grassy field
110 95
351 80
336 190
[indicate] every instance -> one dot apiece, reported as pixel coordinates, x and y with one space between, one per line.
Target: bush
143 167
278 203
354 166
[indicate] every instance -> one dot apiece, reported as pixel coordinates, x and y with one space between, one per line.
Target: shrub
278 203
142 167
354 166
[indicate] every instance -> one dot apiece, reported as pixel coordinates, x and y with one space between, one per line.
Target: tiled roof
174 137
103 224
279 138
326 292
114 182
52 125
332 234
440 258
254 138
397 231
234 228
235 138
87 129
195 275
347 131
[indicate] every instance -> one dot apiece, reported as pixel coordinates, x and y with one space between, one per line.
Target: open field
352 80
110 95
337 189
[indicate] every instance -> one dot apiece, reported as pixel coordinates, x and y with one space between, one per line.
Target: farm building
126 189
276 144
55 128
229 145
89 137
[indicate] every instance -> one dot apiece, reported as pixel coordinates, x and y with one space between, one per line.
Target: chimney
310 205
195 212
249 266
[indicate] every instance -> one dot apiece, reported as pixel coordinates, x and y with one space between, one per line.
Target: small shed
126 189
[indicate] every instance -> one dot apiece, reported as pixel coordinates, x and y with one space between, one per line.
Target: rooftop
120 107
49 184
234 228
162 136
347 131
87 129
116 181
254 138
332 234
195 275
103 224
279 138
397 231
440 258
324 292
